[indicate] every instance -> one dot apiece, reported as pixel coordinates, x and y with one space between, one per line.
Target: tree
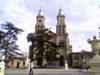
43 46
2 36
8 46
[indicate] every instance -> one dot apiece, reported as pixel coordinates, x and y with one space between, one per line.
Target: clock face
40 21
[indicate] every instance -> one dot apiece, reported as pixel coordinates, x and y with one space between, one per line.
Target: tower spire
60 12
40 13
40 21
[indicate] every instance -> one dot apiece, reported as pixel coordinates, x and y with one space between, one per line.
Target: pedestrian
30 68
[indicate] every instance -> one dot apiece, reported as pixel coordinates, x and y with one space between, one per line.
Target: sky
82 18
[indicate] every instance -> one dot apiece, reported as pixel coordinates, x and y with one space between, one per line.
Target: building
60 37
74 60
16 62
81 59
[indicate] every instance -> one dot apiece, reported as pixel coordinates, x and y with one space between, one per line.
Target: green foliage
2 35
8 46
43 45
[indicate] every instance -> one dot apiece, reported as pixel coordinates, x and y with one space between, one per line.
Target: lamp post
95 61
31 60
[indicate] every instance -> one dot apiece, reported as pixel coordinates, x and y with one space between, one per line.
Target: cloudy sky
82 18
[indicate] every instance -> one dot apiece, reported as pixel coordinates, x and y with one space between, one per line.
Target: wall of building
81 59
17 62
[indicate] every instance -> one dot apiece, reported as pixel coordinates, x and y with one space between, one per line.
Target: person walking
30 68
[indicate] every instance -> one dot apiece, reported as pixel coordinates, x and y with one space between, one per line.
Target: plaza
47 72
58 37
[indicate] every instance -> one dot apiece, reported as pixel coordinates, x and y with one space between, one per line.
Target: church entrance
39 62
61 60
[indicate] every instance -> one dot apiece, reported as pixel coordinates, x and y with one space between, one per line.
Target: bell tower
62 37
60 23
40 21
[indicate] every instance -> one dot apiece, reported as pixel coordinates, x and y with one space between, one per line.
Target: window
40 20
61 43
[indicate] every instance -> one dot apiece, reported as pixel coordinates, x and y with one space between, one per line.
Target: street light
30 60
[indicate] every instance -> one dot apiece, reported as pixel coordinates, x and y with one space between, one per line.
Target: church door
61 61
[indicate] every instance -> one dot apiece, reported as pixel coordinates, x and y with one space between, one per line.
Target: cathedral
60 37
74 60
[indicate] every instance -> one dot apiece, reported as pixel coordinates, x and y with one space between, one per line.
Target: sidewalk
54 70
41 70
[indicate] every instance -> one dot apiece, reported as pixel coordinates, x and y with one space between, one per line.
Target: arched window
61 43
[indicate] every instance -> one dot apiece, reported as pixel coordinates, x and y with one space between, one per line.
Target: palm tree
43 46
9 46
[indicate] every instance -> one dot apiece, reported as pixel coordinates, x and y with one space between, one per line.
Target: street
77 73
47 72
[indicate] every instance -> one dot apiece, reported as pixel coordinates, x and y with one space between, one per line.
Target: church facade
60 37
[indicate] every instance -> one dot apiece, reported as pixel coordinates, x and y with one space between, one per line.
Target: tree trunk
40 62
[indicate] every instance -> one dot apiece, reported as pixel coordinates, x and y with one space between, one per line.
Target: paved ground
47 72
